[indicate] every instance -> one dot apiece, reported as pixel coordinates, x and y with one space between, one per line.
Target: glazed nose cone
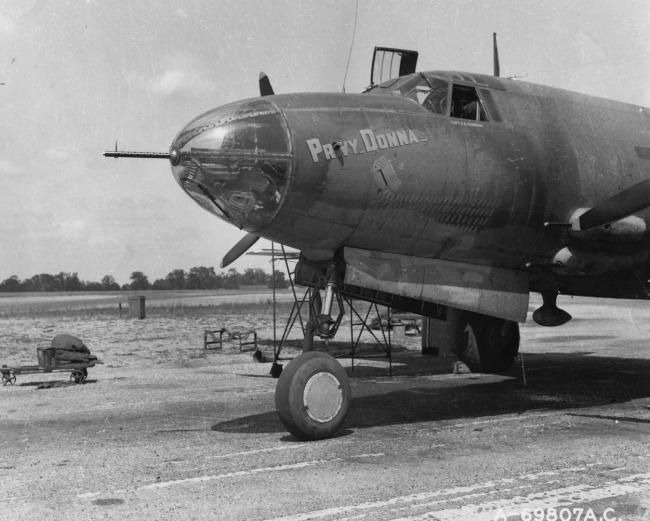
235 161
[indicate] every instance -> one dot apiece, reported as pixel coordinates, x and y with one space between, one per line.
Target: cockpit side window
432 94
466 104
490 105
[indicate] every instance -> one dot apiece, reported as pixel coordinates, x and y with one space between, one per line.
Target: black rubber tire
290 395
497 342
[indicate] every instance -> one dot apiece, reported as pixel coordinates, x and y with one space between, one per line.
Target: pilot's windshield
432 95
430 92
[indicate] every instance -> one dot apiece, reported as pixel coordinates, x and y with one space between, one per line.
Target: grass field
172 330
62 303
171 333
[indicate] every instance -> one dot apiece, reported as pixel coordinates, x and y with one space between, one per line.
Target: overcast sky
76 76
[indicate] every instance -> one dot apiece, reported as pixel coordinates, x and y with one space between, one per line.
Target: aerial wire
584 65
354 32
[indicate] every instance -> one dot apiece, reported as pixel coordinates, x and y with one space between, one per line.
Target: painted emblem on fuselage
368 141
385 175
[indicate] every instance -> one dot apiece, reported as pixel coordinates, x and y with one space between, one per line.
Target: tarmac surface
201 440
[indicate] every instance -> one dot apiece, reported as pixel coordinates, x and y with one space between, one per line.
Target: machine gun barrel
138 155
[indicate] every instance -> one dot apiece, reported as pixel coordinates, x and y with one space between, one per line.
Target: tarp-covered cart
67 353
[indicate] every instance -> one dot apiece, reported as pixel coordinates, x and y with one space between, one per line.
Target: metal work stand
246 338
357 320
309 297
384 343
276 368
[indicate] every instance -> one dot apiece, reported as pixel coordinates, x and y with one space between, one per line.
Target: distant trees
280 281
10 284
139 281
231 279
202 277
199 277
108 283
44 282
254 277
176 279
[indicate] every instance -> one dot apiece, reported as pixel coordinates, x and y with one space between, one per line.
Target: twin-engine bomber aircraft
439 193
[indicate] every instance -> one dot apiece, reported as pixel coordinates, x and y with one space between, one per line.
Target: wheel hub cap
323 397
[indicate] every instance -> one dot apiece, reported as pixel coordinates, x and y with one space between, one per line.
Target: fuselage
443 165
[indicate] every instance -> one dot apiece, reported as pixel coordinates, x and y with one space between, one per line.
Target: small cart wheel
79 375
8 378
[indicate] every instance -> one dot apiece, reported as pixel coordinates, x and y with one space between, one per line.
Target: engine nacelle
573 260
630 229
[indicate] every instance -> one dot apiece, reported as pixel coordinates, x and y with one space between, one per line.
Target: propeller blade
239 249
265 85
621 205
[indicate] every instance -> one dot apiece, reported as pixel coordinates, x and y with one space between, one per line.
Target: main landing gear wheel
313 396
487 344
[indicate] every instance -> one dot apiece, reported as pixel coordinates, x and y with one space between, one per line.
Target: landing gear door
389 63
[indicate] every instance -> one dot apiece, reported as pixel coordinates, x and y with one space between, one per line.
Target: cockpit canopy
443 95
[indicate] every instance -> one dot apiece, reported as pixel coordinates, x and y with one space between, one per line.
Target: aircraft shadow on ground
553 382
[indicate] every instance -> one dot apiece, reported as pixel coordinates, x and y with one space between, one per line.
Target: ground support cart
49 363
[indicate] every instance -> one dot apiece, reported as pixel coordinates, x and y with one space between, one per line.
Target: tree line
199 277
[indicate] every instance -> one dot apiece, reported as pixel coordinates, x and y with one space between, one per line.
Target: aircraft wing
489 290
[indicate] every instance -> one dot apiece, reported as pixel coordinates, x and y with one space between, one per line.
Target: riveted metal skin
320 172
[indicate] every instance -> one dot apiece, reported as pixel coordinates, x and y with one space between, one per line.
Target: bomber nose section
235 161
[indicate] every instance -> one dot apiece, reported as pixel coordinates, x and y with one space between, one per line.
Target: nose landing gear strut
313 394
